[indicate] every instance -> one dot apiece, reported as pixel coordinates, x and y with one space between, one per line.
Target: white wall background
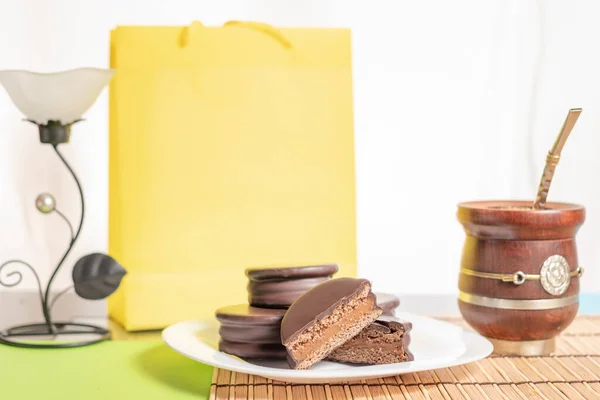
455 100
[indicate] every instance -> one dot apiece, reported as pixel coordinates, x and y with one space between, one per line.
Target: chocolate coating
385 341
393 324
388 303
246 324
251 334
280 287
284 273
280 294
243 314
253 350
396 324
317 303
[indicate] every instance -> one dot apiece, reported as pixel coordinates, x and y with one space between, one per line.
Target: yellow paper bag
230 147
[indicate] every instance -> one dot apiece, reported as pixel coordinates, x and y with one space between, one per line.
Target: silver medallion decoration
555 275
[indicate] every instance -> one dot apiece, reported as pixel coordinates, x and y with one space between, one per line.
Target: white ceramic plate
435 344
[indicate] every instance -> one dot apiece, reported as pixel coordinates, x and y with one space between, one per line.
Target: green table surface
111 370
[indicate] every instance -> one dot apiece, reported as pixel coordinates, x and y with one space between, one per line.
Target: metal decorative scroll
555 275
95 276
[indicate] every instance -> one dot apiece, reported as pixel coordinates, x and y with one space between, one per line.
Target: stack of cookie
254 330
280 287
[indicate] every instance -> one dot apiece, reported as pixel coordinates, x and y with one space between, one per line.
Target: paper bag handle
257 26
264 28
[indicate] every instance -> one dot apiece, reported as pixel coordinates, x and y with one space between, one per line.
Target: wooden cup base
523 348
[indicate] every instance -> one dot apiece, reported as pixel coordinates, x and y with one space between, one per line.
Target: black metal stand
59 328
50 328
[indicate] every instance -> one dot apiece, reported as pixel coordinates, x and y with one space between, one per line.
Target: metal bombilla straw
553 158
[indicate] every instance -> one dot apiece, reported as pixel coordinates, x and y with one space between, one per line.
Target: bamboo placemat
572 372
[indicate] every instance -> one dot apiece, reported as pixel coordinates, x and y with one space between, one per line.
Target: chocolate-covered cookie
279 287
246 324
388 303
385 341
253 350
325 317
